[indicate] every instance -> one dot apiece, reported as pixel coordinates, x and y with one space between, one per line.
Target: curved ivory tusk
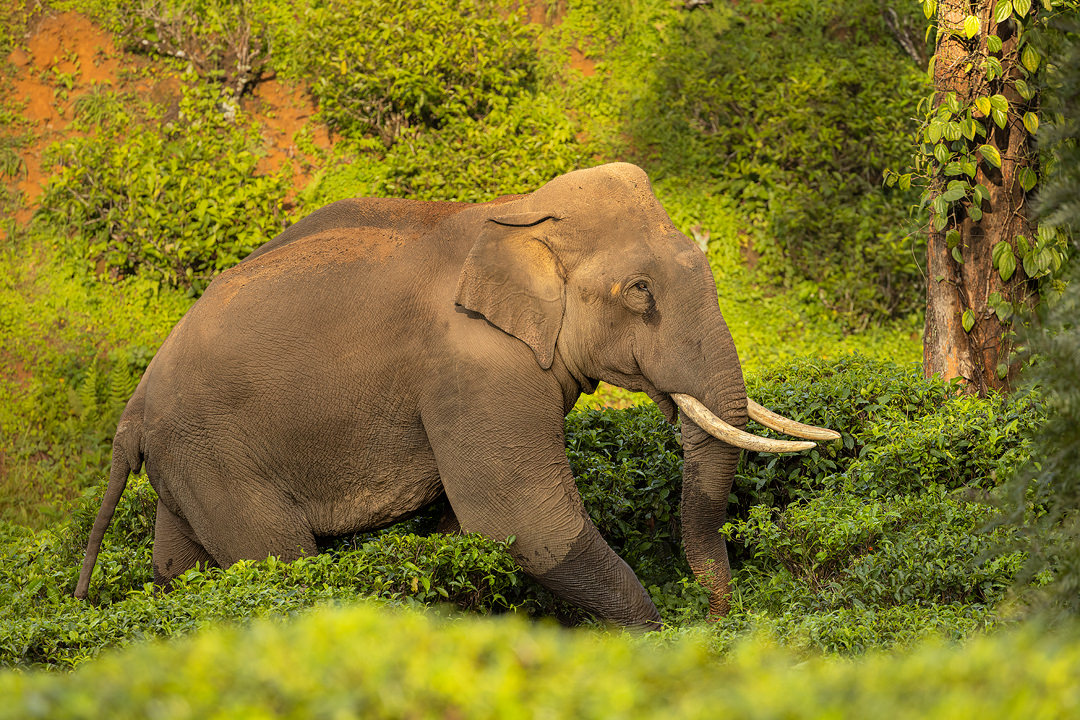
721 430
769 419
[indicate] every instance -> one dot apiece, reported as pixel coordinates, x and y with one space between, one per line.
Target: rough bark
981 355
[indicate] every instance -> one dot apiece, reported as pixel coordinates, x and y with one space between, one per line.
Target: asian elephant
382 352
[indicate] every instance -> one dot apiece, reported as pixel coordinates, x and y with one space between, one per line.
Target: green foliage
519 145
385 66
47 627
220 39
884 528
995 80
178 203
1045 495
846 531
904 558
793 109
902 433
628 466
849 527
362 662
73 348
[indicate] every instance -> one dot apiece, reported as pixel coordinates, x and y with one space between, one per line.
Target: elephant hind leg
176 550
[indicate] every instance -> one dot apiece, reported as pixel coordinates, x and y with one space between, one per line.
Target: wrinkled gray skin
380 353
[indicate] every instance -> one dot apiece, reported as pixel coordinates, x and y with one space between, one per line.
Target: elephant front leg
505 476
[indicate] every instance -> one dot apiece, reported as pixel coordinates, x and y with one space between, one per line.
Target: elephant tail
122 467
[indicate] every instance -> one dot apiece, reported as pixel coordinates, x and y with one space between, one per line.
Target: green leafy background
766 128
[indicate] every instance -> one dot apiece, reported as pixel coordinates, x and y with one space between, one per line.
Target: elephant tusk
772 420
710 423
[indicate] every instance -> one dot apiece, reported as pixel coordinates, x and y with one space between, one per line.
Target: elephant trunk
708 471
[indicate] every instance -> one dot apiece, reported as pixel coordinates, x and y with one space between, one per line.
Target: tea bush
47 627
520 144
808 542
221 40
179 201
363 662
887 526
386 66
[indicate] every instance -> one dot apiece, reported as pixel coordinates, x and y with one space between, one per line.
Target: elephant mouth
665 403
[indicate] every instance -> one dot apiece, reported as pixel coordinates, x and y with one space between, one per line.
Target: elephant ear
515 281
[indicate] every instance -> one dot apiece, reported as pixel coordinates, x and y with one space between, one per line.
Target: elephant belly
369 495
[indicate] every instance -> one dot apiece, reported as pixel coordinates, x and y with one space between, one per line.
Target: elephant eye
642 286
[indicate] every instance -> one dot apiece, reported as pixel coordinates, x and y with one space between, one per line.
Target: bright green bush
385 66
73 348
902 433
794 108
887 527
841 552
809 543
362 663
45 626
178 202
221 40
520 144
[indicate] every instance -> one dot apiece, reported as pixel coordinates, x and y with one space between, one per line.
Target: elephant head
590 272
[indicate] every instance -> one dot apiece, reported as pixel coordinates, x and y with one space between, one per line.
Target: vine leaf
1030 59
1027 178
1031 122
1021 7
1007 266
971 26
1002 11
991 154
1004 260
968 320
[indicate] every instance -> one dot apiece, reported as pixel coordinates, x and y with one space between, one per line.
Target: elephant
380 354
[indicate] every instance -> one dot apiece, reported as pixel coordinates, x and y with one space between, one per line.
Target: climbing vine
977 162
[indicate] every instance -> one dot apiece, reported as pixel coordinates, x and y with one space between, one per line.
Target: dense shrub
73 348
886 527
221 40
833 535
362 663
519 145
48 627
179 201
628 466
385 66
794 108
1046 494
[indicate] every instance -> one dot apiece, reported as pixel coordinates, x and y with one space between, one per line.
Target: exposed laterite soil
285 111
66 55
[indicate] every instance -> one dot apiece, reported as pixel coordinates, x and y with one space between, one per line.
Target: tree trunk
980 354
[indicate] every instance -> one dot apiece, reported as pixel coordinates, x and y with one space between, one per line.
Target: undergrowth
870 542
